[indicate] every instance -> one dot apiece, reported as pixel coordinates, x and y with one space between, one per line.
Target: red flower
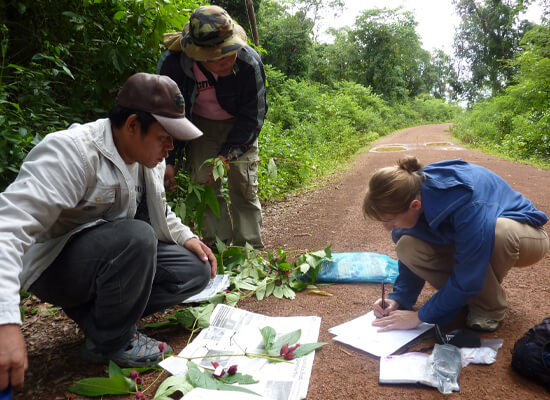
288 352
134 374
232 370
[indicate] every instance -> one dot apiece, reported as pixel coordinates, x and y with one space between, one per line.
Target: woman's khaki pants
516 245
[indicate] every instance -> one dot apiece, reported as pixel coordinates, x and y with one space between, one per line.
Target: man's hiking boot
140 351
479 323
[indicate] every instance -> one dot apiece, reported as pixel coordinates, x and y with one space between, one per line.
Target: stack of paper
361 334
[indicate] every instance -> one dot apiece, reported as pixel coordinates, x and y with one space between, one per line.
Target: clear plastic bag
445 364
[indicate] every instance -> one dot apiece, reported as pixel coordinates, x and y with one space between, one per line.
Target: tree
487 39
286 38
390 57
237 10
316 10
441 77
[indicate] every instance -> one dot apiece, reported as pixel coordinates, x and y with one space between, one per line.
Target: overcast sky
436 18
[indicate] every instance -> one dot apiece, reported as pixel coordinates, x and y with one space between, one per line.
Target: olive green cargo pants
240 221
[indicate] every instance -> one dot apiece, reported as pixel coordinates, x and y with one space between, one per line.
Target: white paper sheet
361 334
219 283
235 331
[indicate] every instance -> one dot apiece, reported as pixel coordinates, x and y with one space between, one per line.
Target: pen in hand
383 295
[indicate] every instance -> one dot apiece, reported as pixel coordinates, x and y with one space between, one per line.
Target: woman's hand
391 305
398 319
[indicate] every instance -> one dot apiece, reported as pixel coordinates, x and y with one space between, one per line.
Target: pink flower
162 347
134 374
232 370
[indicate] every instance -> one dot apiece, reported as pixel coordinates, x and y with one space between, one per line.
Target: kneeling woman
458 226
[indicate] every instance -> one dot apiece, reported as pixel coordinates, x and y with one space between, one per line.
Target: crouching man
85 226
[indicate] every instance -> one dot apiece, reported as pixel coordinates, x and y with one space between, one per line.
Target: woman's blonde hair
392 189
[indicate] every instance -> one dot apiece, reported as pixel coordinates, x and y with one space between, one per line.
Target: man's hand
170 178
399 319
204 253
391 305
13 356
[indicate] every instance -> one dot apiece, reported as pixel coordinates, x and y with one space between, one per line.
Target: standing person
458 226
223 82
85 226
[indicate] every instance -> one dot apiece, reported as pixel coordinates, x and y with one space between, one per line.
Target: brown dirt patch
331 214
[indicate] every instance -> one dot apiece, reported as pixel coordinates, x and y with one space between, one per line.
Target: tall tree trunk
252 20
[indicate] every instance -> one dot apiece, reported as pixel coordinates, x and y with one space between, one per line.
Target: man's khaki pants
516 245
244 223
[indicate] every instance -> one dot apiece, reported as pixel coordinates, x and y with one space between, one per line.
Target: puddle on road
439 144
388 148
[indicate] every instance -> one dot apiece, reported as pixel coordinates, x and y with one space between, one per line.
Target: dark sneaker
140 351
481 323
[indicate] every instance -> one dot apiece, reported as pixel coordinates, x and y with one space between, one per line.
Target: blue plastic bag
359 267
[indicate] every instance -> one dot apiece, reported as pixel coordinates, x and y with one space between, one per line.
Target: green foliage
252 274
62 62
517 122
487 39
116 383
390 56
190 199
312 128
286 38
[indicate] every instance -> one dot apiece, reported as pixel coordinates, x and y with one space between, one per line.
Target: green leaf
114 369
289 293
269 289
269 334
278 292
245 285
211 200
205 380
241 379
171 385
271 169
307 348
219 170
95 387
260 292
201 314
288 338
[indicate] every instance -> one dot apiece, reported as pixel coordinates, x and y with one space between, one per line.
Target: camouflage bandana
211 35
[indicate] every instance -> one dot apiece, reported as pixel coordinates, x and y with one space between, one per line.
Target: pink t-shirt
206 104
